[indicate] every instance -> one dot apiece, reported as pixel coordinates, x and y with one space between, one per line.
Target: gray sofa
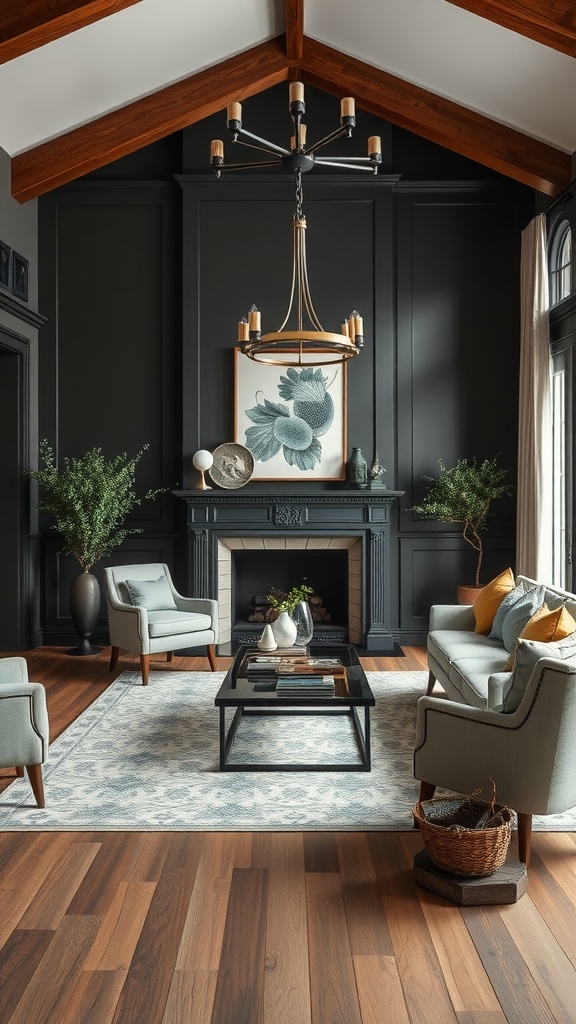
468 665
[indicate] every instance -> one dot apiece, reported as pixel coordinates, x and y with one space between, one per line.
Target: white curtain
534 498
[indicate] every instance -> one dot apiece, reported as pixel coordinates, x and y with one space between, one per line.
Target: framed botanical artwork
19 276
4 265
292 418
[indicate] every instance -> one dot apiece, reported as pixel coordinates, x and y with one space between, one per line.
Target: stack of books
305 686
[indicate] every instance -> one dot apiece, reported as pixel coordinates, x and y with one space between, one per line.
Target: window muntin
561 263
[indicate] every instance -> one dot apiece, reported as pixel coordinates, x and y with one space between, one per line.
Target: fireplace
249 566
240 542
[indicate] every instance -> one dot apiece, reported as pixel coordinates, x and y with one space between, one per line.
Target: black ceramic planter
84 610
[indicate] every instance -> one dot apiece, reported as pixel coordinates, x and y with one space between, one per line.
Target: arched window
560 263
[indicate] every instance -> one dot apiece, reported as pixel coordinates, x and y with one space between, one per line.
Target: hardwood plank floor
265 928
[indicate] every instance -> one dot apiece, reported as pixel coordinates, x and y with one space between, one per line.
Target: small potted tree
464 494
89 500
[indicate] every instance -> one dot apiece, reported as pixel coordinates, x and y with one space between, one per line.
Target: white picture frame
287 446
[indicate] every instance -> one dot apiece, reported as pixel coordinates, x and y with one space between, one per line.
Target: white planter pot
284 630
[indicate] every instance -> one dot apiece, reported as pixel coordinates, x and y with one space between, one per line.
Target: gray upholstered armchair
23 724
147 615
529 753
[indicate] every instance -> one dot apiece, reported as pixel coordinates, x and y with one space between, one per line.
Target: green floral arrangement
464 494
89 500
282 601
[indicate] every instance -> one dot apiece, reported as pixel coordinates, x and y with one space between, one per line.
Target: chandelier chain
299 194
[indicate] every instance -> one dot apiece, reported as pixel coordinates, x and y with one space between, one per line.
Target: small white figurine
267 641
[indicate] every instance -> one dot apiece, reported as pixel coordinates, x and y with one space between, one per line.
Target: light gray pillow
518 615
503 609
528 654
154 595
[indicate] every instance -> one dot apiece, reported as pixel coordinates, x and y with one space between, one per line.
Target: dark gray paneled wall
143 284
237 242
110 354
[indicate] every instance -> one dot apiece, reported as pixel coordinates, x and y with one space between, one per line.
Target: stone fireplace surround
219 522
227 546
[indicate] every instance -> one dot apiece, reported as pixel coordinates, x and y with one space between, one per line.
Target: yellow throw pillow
546 626
489 600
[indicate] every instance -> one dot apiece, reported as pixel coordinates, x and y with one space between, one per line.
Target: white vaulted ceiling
73 101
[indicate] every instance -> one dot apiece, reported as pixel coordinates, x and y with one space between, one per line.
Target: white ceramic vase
284 630
267 641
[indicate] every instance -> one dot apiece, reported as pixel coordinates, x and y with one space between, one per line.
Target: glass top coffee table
238 693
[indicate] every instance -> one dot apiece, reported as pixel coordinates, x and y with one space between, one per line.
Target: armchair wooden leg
212 656
114 652
35 776
431 682
169 655
145 663
524 834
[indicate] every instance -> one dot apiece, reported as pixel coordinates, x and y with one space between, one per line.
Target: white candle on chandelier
347 107
302 137
374 146
243 330
296 92
254 319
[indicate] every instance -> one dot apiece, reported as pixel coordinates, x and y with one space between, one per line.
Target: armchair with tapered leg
147 615
530 754
23 724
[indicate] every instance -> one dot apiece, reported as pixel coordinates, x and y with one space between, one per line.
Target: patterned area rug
146 759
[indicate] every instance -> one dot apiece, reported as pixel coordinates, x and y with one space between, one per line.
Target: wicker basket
466 835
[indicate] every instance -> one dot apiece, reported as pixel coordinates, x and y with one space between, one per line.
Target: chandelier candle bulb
374 146
296 92
234 112
254 320
302 136
345 328
347 107
217 148
243 330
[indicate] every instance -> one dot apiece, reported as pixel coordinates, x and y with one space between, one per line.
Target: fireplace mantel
213 515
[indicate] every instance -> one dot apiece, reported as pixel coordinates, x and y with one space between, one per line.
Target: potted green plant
464 494
89 500
284 603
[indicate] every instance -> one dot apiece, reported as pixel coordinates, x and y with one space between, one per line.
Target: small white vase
267 641
284 630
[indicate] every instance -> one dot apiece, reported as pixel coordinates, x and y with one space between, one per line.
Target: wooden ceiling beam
442 121
146 120
550 22
27 24
294 18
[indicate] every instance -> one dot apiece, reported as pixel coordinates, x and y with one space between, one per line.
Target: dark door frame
19 346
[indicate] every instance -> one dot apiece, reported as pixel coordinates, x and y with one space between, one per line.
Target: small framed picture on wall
19 276
5 265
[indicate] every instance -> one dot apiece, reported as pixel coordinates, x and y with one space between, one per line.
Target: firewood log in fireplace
263 612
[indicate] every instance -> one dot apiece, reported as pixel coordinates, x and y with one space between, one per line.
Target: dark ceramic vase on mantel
84 611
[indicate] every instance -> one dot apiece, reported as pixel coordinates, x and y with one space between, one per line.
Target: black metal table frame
252 704
227 737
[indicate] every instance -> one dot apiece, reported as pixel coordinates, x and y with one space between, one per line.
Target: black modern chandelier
299 345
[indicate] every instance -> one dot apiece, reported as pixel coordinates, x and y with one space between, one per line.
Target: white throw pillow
154 595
